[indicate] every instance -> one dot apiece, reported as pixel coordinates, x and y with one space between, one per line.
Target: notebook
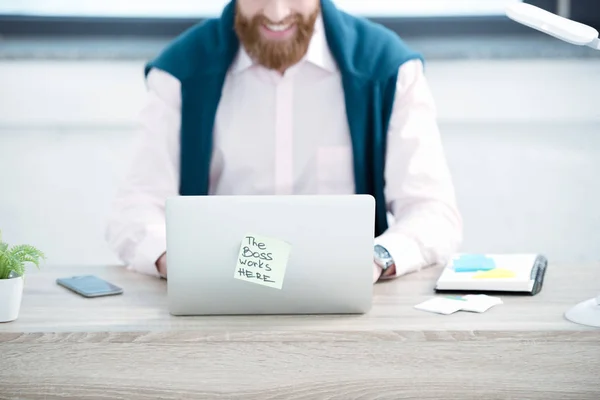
517 273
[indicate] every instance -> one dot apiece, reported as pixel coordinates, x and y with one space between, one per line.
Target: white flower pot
11 293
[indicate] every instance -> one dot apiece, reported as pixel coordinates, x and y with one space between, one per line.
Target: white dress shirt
288 134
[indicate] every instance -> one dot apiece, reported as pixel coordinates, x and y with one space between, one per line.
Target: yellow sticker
262 260
496 273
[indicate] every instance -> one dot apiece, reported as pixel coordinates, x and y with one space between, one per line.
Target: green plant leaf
25 253
27 258
5 265
4 271
10 263
3 247
15 258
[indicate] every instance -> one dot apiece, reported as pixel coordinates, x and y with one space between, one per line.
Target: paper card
441 305
480 303
451 304
262 260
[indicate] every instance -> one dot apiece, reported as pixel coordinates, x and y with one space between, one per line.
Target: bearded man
291 97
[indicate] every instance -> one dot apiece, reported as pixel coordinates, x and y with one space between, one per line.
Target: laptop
253 255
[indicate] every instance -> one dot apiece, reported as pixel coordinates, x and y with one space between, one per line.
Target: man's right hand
161 265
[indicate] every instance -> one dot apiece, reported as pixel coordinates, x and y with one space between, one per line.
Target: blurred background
518 112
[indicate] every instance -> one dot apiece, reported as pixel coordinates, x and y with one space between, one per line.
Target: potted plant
12 270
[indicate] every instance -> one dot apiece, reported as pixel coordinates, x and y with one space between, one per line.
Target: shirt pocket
335 170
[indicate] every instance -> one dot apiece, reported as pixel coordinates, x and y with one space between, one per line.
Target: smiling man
290 97
281 39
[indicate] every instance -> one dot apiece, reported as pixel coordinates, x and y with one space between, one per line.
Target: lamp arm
562 28
595 44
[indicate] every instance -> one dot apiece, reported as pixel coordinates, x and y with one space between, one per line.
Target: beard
275 54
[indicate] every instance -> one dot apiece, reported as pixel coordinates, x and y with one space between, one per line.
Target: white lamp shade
552 24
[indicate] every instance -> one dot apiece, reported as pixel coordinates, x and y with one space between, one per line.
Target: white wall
109 94
522 137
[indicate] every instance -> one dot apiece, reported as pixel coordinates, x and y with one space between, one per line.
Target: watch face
382 255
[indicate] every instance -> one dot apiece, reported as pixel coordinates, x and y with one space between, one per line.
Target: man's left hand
378 273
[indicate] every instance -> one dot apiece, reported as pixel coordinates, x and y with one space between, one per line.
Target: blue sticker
473 263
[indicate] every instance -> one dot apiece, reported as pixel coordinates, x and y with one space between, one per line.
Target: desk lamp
554 25
587 312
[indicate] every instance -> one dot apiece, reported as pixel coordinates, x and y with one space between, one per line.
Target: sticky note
497 273
472 263
262 260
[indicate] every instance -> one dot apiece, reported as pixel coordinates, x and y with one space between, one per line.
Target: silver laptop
239 255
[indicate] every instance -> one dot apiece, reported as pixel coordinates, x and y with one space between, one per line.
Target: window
204 8
152 18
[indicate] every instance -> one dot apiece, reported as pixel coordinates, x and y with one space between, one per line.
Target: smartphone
89 286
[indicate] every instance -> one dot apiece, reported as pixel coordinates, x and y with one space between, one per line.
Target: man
291 97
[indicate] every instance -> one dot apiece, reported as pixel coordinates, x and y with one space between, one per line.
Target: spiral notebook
480 273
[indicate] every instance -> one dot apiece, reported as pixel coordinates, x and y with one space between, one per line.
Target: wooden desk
129 347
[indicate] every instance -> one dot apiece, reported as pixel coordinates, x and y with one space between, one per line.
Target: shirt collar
318 52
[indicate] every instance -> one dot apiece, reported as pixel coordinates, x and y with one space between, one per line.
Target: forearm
136 233
423 235
427 226
136 228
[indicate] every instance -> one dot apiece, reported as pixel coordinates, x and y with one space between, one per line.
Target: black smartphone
89 286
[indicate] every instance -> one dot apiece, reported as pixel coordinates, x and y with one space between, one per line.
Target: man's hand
378 272
161 265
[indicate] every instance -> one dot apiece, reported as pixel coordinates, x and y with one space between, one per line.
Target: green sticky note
262 260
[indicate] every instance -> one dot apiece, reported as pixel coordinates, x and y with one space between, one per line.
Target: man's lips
278 31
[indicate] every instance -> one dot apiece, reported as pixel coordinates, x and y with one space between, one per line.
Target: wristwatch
383 258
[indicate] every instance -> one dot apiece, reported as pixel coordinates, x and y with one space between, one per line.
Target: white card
441 305
480 303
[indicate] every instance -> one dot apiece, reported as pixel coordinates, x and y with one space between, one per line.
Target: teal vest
367 54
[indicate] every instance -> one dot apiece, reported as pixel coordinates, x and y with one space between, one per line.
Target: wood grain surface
129 347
